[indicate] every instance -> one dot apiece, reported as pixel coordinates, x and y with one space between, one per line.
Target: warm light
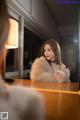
12 41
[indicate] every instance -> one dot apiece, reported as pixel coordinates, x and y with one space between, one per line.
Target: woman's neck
53 61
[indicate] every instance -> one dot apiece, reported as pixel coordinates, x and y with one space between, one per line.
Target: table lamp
12 42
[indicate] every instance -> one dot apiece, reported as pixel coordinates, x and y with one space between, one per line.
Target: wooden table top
61 100
68 87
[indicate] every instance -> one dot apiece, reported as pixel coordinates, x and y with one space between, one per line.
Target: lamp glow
12 41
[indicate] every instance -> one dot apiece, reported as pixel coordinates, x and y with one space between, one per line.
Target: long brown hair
4 29
55 48
4 22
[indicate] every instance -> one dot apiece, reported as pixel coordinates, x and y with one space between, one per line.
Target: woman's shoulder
63 66
17 92
24 98
20 89
42 58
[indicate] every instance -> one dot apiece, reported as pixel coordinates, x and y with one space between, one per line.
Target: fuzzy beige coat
42 71
21 103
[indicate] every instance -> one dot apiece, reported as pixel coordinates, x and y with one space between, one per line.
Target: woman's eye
49 50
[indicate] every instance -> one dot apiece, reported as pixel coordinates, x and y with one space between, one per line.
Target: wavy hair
4 22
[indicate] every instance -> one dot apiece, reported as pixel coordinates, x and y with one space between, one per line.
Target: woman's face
48 53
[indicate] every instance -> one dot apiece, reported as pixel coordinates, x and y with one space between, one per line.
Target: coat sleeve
65 74
36 108
39 72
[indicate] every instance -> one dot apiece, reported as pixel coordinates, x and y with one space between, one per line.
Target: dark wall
69 48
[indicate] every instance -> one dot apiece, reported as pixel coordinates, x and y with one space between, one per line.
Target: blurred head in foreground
18 102
4 28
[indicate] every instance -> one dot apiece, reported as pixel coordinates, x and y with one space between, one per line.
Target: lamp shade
12 41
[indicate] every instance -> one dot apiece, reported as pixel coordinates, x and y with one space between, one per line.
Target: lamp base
9 81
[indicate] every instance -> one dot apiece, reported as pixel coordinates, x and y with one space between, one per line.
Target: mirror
67 21
66 17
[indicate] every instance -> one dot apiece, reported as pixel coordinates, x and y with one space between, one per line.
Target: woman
21 103
49 67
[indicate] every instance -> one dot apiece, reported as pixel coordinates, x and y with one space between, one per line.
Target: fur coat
42 71
21 103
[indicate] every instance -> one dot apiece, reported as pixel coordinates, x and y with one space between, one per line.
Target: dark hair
55 47
4 22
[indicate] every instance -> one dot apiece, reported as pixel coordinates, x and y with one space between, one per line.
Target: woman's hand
58 76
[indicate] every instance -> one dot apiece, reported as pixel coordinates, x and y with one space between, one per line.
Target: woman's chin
48 59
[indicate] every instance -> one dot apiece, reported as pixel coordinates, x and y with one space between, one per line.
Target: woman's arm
64 73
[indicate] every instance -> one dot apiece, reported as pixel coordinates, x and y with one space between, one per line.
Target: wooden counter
62 101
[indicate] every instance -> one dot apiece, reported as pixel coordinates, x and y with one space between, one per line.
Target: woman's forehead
47 46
